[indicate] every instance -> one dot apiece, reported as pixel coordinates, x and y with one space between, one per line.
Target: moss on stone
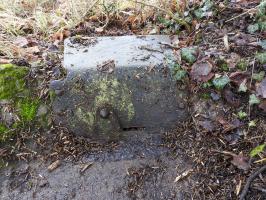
86 117
12 81
111 92
105 92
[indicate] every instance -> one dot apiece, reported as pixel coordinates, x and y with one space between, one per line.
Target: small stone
59 92
153 31
42 110
215 96
43 183
8 118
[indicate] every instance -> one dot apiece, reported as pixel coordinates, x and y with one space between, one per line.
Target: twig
252 72
260 189
180 21
225 152
251 9
249 106
249 180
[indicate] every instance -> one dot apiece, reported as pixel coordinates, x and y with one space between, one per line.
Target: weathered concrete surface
138 161
118 83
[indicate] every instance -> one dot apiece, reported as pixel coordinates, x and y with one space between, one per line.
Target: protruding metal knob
104 113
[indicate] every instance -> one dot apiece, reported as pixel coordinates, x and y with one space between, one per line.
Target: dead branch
249 180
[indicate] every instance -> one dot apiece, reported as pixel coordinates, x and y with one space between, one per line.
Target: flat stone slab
117 84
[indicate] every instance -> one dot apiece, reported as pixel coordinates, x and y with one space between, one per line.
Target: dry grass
42 18
47 16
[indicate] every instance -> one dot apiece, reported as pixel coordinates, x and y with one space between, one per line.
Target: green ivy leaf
261 57
180 75
263 44
262 25
261 9
257 150
204 10
258 76
253 28
242 65
189 54
243 87
241 114
253 99
207 84
220 82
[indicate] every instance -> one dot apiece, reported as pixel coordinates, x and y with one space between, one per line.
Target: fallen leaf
263 105
60 35
32 50
229 126
261 88
240 161
201 71
233 138
233 60
207 125
238 77
257 150
231 98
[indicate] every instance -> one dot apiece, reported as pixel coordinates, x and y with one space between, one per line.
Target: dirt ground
138 168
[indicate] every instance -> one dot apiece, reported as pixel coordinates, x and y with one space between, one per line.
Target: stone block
116 84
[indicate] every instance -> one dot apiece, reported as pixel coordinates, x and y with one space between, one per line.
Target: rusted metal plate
115 84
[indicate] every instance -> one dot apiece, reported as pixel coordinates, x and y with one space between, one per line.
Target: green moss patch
4 132
12 80
105 92
20 98
28 109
